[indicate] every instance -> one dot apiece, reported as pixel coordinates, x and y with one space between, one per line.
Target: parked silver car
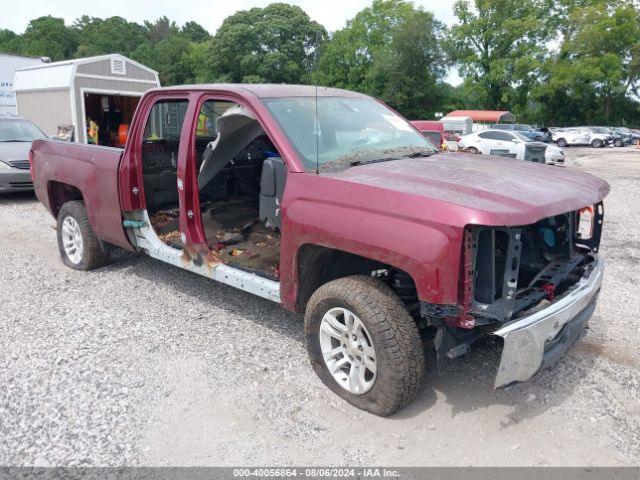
580 136
16 135
503 143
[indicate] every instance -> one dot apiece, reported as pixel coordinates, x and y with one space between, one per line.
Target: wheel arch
318 265
60 193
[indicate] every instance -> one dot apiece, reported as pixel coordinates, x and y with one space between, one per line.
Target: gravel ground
140 363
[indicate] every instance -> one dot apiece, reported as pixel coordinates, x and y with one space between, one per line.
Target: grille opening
490 265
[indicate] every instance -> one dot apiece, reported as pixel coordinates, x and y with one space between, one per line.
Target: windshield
19 131
347 132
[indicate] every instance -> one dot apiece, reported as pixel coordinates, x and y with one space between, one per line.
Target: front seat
236 129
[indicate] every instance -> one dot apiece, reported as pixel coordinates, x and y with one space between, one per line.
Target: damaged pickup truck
330 203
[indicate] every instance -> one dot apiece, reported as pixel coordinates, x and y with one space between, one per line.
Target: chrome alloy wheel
72 240
347 350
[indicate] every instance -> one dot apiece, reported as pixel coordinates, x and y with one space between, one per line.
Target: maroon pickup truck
330 203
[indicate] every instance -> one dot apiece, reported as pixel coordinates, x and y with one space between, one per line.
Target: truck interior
240 180
110 112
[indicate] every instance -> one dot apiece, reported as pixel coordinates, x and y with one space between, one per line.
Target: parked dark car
16 135
628 136
537 135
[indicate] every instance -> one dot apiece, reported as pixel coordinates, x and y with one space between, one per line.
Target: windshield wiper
428 153
15 140
375 160
420 154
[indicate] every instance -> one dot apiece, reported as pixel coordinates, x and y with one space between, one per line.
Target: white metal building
105 88
8 65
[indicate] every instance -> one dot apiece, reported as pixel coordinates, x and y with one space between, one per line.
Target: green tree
277 43
10 42
347 59
406 74
177 54
597 66
170 57
391 50
161 29
194 32
498 46
111 35
49 37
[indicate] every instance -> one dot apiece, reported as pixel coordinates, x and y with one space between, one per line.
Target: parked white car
504 143
554 155
579 136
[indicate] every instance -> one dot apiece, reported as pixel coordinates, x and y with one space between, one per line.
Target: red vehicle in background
433 130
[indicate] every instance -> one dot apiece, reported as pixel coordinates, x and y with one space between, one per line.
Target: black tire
394 335
93 255
619 143
472 150
597 143
538 139
562 142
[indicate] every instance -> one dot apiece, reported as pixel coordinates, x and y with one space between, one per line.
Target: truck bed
64 171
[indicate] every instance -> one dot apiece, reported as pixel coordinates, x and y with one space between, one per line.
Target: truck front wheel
79 246
364 345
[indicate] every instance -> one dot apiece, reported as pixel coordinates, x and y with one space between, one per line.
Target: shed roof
58 75
495 116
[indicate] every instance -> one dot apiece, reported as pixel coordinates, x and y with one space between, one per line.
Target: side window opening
159 154
241 180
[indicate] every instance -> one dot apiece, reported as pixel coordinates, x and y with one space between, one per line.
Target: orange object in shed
123 133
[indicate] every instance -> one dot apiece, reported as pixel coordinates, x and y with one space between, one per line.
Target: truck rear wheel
364 345
79 246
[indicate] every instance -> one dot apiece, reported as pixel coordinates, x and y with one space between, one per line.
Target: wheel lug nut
360 347
354 336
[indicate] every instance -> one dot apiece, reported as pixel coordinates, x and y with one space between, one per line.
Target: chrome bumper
525 339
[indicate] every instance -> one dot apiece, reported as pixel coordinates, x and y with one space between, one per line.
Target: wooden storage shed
105 89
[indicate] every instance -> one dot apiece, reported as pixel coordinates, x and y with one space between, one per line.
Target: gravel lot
140 363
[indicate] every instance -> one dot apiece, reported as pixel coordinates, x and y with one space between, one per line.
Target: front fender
429 253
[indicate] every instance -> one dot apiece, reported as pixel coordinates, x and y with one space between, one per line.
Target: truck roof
269 90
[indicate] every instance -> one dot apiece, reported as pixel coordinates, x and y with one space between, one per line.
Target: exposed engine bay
516 269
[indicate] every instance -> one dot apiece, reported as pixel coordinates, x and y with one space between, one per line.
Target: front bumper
536 341
15 180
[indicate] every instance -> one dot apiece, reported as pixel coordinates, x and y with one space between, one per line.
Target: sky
333 14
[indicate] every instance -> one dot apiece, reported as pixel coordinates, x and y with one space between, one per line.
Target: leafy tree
10 42
277 43
161 29
196 60
391 50
498 45
111 35
596 66
406 73
347 59
49 37
194 32
170 57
